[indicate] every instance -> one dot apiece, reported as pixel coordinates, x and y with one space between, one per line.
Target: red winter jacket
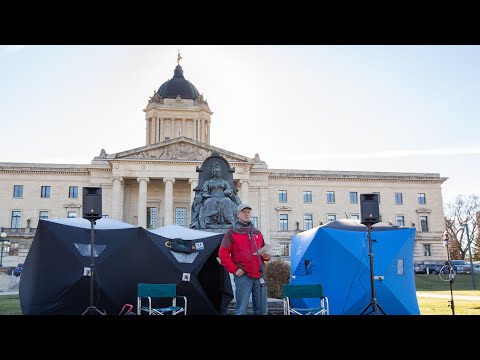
237 248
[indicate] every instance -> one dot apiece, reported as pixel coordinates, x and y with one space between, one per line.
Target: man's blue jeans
244 286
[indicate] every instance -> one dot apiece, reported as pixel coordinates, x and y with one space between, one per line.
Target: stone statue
215 203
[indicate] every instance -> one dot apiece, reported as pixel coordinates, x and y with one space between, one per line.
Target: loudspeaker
92 202
369 210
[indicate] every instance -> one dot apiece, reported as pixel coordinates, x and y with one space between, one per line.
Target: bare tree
462 210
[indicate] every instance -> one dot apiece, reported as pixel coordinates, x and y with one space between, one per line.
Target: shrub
277 273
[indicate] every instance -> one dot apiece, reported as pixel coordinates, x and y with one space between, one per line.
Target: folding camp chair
290 292
168 291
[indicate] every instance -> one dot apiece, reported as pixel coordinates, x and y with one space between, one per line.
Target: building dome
178 86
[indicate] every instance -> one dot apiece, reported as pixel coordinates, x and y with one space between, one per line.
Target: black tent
53 280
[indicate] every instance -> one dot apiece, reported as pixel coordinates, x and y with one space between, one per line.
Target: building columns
142 201
244 191
168 201
117 196
193 184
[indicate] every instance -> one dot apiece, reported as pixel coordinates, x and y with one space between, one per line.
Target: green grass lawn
462 285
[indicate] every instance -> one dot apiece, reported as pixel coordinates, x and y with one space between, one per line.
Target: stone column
244 191
168 200
117 205
202 130
264 222
193 184
162 132
208 131
142 201
184 127
157 130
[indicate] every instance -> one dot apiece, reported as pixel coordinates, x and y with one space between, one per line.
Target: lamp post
3 236
470 254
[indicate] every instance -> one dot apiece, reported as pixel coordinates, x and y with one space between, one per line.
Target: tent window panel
181 216
283 218
151 217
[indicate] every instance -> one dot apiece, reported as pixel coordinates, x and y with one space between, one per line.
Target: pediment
180 149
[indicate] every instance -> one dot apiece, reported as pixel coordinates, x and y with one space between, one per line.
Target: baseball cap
243 206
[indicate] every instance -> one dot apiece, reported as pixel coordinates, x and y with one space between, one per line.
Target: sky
317 107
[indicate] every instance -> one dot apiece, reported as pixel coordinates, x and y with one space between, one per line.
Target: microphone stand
262 280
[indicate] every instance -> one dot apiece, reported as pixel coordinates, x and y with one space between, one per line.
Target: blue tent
337 256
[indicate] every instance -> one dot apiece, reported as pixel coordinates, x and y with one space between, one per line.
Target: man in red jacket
238 254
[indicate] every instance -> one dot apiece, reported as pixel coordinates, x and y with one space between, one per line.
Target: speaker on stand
92 211
369 215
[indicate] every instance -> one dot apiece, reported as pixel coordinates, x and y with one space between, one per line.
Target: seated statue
218 202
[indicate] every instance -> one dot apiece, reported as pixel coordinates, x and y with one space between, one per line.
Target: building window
284 250
421 198
45 192
17 191
73 192
424 223
181 216
398 199
283 222
331 217
72 214
254 221
400 220
354 216
353 198
43 215
307 196
16 219
282 195
151 217
330 197
426 250
307 221
378 194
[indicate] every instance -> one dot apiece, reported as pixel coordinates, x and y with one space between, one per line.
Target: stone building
152 185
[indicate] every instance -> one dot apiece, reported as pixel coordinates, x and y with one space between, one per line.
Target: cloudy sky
365 108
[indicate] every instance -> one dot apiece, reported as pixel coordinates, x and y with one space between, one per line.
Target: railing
18 231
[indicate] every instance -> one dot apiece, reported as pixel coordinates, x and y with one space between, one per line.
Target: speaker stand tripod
92 310
374 305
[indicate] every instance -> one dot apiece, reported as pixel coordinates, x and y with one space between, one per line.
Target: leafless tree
462 210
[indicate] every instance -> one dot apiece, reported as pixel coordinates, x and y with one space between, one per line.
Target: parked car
419 268
436 268
461 266
18 270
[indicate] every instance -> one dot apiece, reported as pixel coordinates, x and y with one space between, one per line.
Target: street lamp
470 254
2 246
